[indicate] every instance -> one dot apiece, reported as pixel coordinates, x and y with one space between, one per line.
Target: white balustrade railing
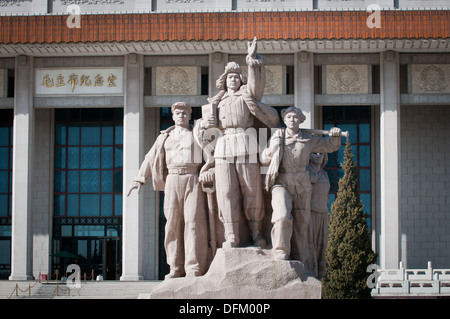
412 282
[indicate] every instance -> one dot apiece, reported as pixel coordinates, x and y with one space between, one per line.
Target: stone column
304 86
133 134
390 159
217 63
22 174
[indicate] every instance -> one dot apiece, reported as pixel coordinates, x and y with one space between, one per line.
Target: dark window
356 120
204 87
88 162
10 92
6 145
289 79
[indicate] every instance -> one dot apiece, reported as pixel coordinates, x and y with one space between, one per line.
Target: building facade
85 88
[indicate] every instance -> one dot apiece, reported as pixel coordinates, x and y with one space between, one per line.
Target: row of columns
132 230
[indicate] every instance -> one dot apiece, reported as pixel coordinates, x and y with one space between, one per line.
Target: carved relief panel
430 78
274 78
177 80
192 5
19 6
10 3
347 79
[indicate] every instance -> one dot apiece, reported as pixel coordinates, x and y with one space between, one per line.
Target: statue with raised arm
237 111
173 163
288 180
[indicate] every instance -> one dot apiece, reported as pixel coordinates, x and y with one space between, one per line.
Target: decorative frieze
430 78
91 2
79 81
100 6
192 5
347 79
11 3
180 80
274 5
356 4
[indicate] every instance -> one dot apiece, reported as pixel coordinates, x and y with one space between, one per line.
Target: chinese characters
75 80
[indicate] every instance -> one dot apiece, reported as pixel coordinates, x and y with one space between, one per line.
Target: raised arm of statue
256 72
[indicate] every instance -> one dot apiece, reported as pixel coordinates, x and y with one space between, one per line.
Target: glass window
60 132
5 252
4 158
73 182
107 157
88 180
73 157
6 150
90 135
59 205
90 205
4 135
66 231
89 230
4 203
107 205
74 135
5 230
107 181
356 120
73 204
90 157
60 181
107 134
60 157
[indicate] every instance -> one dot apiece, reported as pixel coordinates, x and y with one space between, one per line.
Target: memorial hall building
86 87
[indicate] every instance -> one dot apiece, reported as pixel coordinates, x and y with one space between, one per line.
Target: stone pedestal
244 273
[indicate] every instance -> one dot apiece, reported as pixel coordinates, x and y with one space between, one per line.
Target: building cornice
228 32
230 47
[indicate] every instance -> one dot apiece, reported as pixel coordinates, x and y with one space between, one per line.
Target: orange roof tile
225 26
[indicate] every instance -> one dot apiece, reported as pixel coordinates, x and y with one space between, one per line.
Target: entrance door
100 255
111 260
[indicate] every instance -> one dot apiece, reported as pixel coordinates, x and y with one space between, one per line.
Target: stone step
87 290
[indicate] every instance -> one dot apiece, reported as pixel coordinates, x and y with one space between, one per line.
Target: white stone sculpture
205 202
318 225
173 164
288 180
237 111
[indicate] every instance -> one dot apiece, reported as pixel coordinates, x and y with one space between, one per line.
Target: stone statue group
217 177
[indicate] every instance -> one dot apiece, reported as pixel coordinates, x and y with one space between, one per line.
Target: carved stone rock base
244 273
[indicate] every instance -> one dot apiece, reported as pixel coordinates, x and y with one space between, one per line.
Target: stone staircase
88 290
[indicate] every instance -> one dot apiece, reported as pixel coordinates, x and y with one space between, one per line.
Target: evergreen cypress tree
349 250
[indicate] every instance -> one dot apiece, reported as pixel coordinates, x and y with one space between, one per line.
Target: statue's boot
256 232
175 273
231 235
281 239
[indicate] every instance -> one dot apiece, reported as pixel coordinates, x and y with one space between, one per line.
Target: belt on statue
233 130
292 170
183 170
